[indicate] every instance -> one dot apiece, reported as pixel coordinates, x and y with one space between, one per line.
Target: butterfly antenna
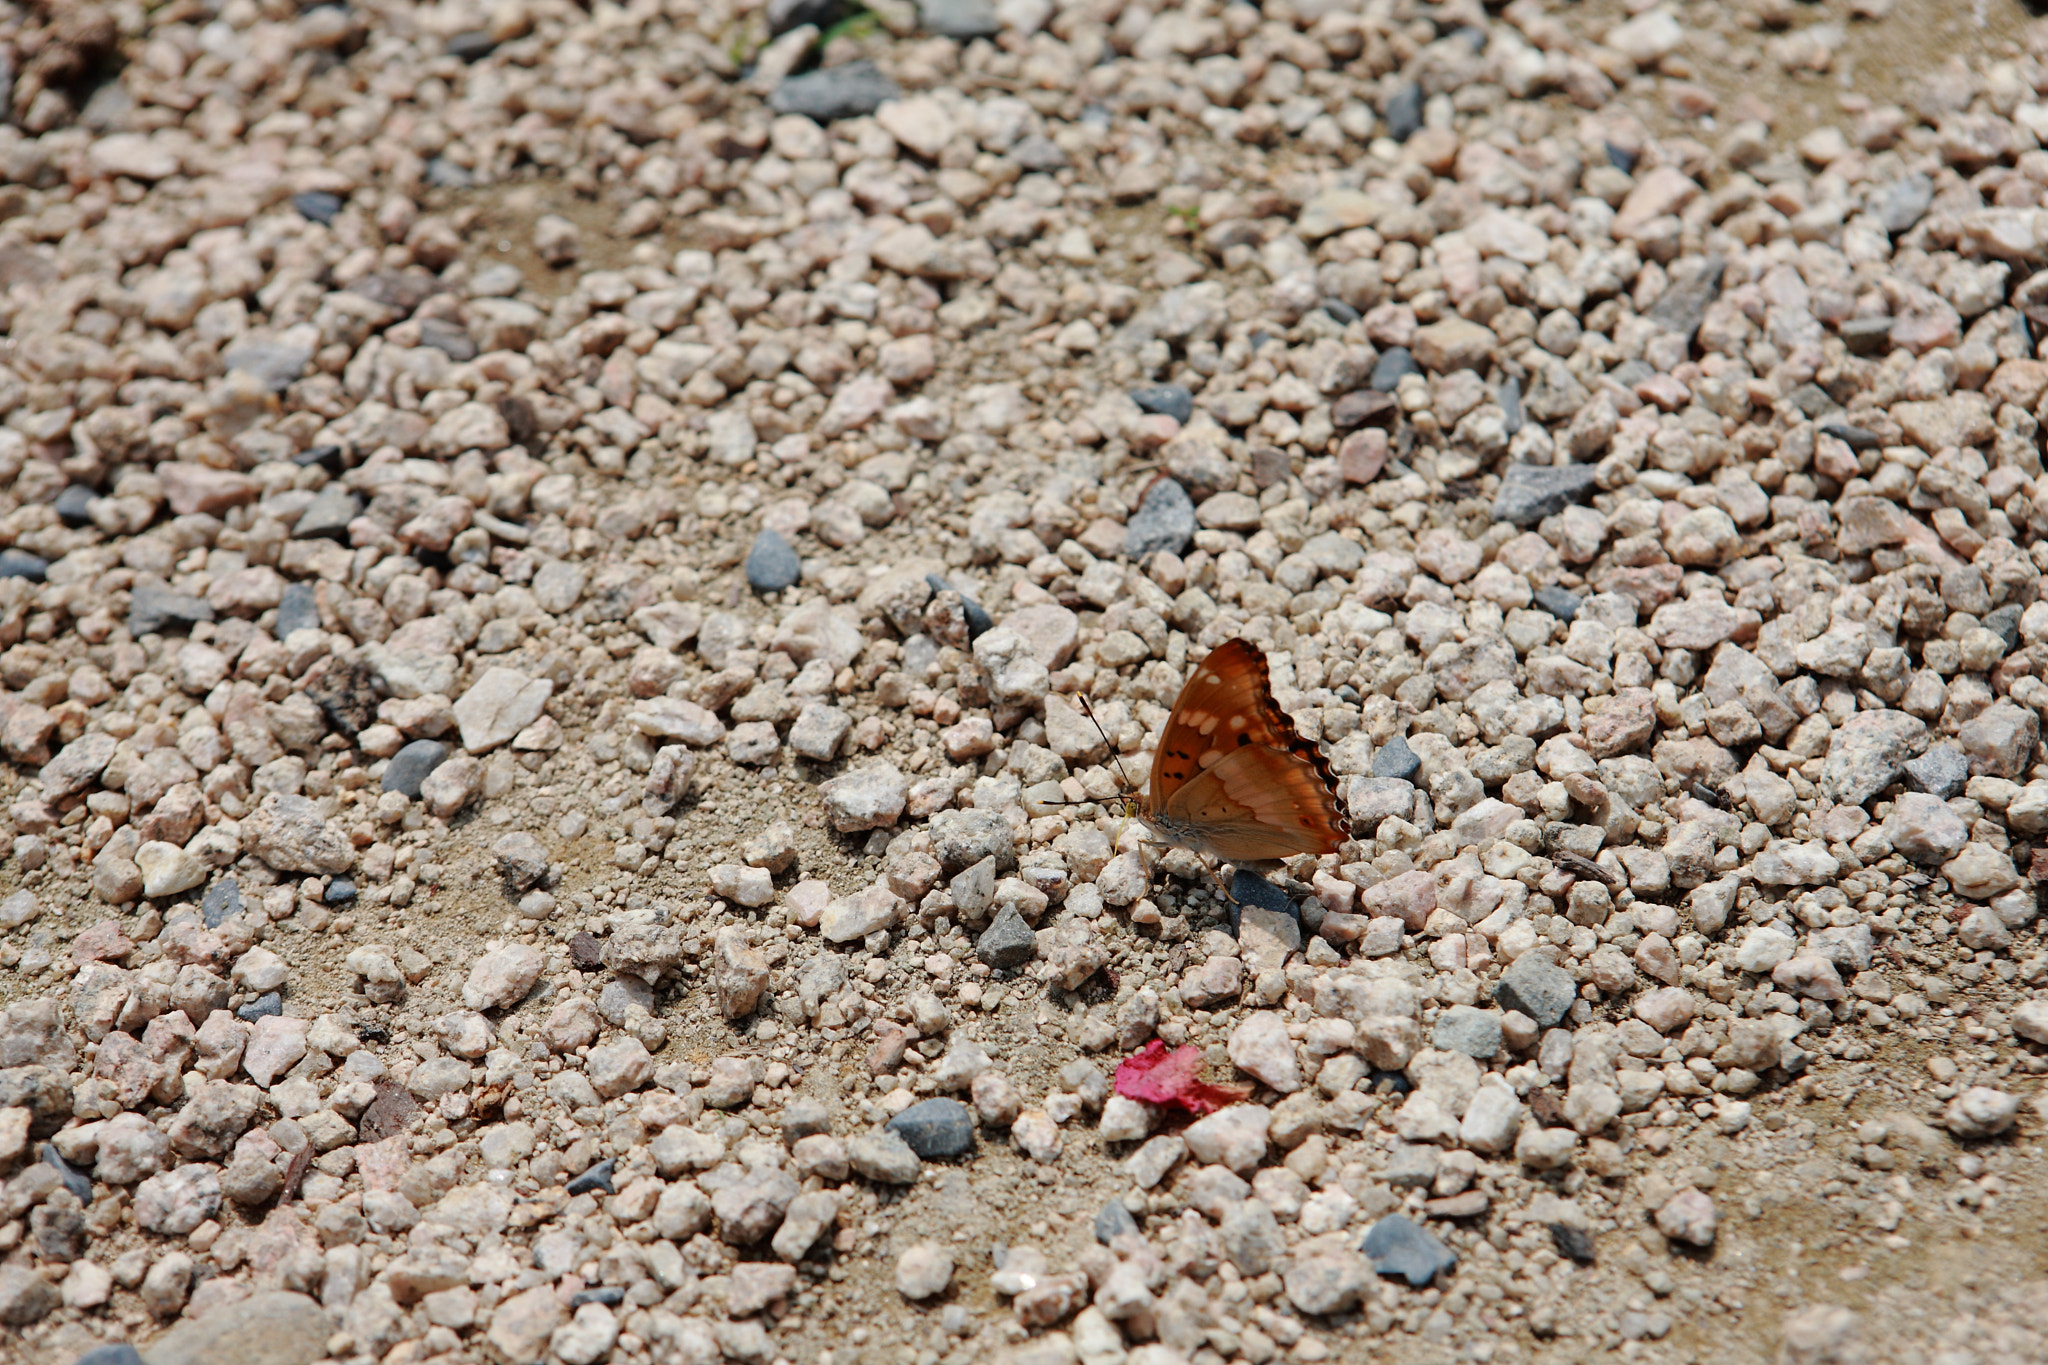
1130 787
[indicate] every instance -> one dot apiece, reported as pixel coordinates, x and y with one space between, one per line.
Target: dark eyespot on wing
1243 740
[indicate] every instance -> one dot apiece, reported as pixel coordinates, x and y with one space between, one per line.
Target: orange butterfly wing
1231 763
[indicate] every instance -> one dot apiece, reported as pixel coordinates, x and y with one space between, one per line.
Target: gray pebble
340 891
936 1129
1474 1032
1395 759
1531 492
328 515
410 766
1167 400
22 564
1682 307
1404 112
1395 363
1942 771
835 92
961 19
772 564
151 608
75 1180
1511 405
317 206
784 15
1540 989
298 609
598 1177
1007 943
74 505
1406 1250
1114 1221
2005 624
264 1006
1559 603
113 1353
221 903
1165 520
1250 889
471 45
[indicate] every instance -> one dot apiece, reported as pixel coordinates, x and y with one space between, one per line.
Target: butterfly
1232 778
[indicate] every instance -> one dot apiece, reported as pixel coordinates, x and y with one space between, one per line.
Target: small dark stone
2005 624
1813 400
328 457
610 1295
1511 405
1574 1244
1394 363
221 903
328 515
935 1129
1621 158
964 20
1404 112
298 609
340 891
1249 888
410 766
1559 603
1165 520
471 45
1167 400
22 564
152 608
772 564
784 15
448 338
1395 759
522 423
1702 792
74 505
1270 466
264 1006
1341 311
1530 492
1008 942
1406 1250
444 174
598 1177
1851 435
346 693
1360 406
1867 336
1113 1222
1540 989
1038 153
1942 771
317 206
1546 1108
979 622
113 1353
75 1180
835 92
1349 695
585 950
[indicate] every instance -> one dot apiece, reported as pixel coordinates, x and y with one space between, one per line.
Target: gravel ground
547 562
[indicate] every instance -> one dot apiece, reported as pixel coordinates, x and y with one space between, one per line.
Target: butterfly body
1232 779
